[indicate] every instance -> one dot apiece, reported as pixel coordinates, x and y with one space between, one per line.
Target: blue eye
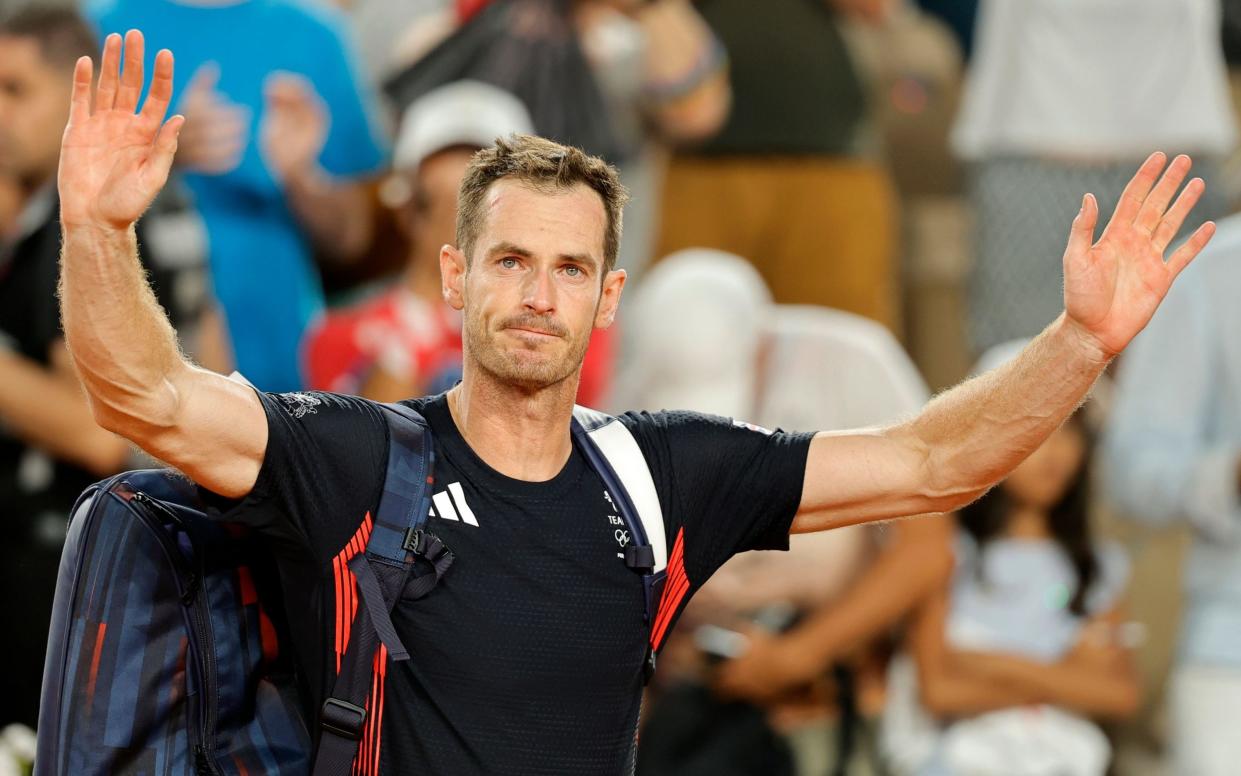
508 262
573 271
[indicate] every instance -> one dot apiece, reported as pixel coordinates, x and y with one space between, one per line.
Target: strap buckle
342 718
414 541
640 557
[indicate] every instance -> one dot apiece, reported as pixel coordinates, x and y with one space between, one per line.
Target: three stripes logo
450 505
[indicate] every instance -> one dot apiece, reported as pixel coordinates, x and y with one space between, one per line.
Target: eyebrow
584 259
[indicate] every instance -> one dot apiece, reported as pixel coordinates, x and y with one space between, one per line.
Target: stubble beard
506 364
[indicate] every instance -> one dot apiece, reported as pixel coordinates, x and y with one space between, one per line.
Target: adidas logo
450 505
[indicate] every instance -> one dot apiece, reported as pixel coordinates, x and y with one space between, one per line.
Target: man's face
532 292
34 107
432 211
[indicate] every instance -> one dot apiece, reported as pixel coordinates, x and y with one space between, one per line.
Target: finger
109 73
160 95
1156 203
132 74
202 84
1139 186
1191 248
1166 232
165 148
79 103
1081 234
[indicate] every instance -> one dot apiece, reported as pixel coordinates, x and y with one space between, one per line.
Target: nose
540 292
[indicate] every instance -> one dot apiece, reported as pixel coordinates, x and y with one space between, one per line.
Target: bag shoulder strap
397 541
615 455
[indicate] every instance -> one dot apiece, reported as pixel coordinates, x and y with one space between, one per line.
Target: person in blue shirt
1172 452
280 128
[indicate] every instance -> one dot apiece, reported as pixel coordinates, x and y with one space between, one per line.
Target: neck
519 432
1027 522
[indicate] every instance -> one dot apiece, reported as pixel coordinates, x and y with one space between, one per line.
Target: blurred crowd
837 207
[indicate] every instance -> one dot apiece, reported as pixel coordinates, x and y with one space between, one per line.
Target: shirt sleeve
725 487
322 471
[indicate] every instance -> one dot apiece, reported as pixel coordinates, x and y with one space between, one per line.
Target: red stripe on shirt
675 588
346 586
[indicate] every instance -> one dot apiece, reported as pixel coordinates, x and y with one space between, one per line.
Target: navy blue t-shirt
527 658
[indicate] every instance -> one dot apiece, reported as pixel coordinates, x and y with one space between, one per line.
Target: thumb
1081 235
165 148
203 82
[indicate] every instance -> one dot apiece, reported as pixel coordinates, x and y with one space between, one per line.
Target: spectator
279 129
1011 660
790 181
1066 97
656 65
1172 452
706 336
50 447
404 341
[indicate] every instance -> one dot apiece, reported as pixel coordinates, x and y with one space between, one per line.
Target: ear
452 276
609 299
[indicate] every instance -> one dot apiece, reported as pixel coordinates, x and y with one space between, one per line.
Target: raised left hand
1112 287
295 126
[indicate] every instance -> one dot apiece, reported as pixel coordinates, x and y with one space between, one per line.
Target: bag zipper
194 599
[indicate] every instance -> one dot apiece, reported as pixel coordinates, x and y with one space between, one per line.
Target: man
1172 452
528 659
50 448
279 132
405 341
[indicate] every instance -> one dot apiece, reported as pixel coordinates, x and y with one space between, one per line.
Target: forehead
547 222
22 57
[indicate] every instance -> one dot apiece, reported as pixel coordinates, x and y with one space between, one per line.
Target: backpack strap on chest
398 543
614 454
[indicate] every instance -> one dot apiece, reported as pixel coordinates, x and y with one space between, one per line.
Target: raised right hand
114 161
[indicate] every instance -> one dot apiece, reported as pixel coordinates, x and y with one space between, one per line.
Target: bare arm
336 213
945 690
973 435
49 412
918 559
1096 679
113 162
686 71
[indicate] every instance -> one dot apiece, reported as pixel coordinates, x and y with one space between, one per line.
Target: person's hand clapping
1112 287
216 129
114 161
295 126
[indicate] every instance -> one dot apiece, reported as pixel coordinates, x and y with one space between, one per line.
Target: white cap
694 331
461 113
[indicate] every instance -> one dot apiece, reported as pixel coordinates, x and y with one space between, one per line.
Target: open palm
1112 287
114 160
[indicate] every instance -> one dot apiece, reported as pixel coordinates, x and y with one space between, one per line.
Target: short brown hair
545 166
62 33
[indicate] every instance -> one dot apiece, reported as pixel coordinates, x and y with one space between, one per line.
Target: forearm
123 346
50 413
919 560
953 694
685 71
976 433
336 214
1086 688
